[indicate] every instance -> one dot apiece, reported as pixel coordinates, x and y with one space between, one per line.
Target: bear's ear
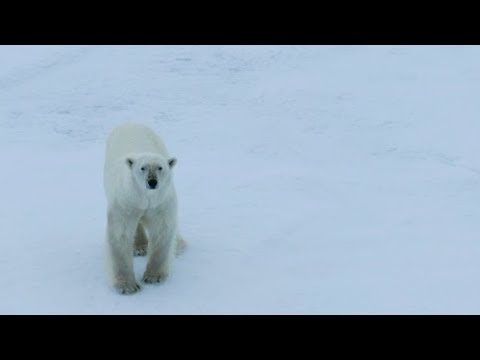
129 162
172 162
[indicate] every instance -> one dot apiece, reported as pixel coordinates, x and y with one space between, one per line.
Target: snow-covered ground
311 179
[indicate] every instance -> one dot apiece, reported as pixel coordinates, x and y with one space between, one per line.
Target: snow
311 179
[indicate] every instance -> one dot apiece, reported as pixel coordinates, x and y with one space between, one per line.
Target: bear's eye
159 168
142 168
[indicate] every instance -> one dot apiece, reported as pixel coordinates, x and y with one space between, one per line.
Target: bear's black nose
152 183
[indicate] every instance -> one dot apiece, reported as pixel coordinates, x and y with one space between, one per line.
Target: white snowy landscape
310 179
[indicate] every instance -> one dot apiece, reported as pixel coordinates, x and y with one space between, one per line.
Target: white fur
134 154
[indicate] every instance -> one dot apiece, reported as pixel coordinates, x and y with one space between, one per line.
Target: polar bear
142 206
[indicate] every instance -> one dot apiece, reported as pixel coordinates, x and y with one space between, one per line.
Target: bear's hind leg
141 242
180 245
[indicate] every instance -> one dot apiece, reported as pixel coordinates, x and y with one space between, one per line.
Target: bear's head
151 171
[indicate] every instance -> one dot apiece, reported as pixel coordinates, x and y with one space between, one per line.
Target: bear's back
133 138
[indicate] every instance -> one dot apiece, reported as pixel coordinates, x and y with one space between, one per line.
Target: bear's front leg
120 236
161 250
